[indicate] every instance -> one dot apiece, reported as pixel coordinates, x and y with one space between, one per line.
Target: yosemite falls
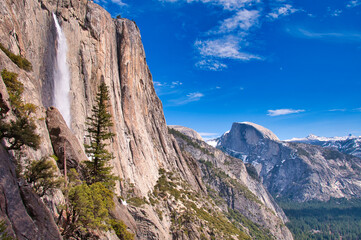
61 75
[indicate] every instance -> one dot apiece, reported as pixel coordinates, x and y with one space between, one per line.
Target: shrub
121 230
3 233
87 208
15 88
20 61
21 131
41 175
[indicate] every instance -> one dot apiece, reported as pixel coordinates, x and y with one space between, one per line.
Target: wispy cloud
230 38
279 112
336 13
226 4
338 110
207 134
342 36
165 88
283 10
119 2
211 64
191 97
353 3
228 47
243 20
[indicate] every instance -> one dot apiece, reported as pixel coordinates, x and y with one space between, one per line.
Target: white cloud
344 36
226 4
336 13
338 110
279 112
211 64
243 20
191 97
284 10
353 3
175 84
228 47
119 2
230 38
207 134
195 96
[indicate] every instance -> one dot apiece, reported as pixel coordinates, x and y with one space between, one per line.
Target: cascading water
61 76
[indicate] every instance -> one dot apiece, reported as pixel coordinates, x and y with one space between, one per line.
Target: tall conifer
99 124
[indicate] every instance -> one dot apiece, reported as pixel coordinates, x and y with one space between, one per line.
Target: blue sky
291 66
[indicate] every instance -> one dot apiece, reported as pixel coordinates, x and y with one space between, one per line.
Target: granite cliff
291 170
167 198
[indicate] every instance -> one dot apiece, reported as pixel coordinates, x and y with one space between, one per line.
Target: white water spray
61 76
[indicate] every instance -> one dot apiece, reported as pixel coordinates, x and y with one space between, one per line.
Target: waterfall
61 76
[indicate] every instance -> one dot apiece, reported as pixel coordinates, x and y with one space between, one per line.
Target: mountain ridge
297 171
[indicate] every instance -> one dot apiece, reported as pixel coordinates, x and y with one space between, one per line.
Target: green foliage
330 154
252 172
189 141
88 208
218 222
230 182
22 130
166 185
3 233
301 151
41 174
255 230
99 124
15 88
335 219
137 201
19 133
22 62
121 230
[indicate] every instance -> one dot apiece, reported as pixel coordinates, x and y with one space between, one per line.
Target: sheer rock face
295 171
99 48
22 210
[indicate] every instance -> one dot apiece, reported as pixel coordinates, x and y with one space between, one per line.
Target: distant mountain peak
266 133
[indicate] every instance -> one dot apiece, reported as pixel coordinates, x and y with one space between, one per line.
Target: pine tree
99 123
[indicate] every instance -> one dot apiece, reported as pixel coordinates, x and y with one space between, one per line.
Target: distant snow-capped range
349 144
312 137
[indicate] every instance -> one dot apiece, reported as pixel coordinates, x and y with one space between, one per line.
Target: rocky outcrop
62 138
187 131
235 187
23 211
294 171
